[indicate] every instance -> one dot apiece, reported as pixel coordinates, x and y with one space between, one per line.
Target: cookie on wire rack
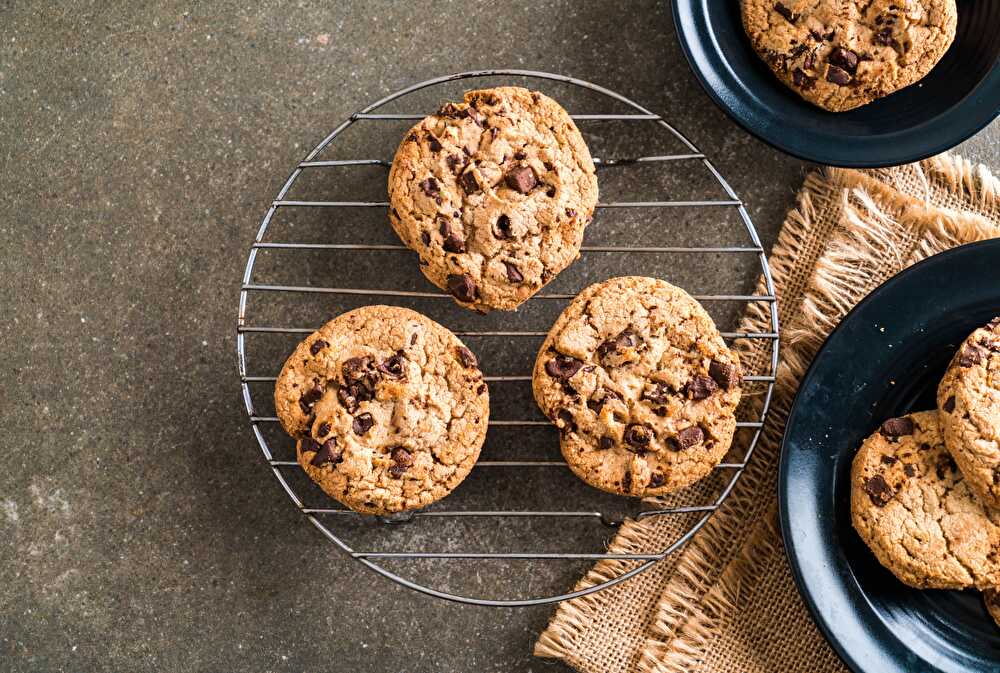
388 407
912 507
640 384
494 194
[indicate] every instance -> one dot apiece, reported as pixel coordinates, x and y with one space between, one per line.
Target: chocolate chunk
660 393
568 422
501 229
317 346
971 355
521 179
455 163
434 144
402 461
394 367
562 366
481 389
837 75
909 470
463 287
355 369
362 423
949 404
309 398
802 80
725 375
328 453
513 274
884 37
453 239
808 62
570 212
550 192
889 460
466 357
844 59
309 444
789 15
469 182
689 437
353 394
626 339
878 490
627 482
520 156
638 436
701 387
897 427
430 187
656 480
323 430
425 238
606 442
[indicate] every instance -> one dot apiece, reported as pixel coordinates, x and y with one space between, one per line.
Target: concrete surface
140 144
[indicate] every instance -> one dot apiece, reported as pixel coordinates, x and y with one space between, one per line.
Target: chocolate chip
481 389
562 366
689 437
656 480
317 346
434 144
520 156
701 387
844 58
513 275
469 182
425 238
309 398
971 355
402 461
570 212
355 369
945 464
606 442
884 37
897 427
430 187
463 287
909 470
626 339
501 229
328 453
789 15
568 422
455 163
362 423
949 404
809 61
309 444
889 460
323 430
638 436
837 75
550 192
660 393
878 490
521 179
627 482
725 375
453 239
353 394
466 357
394 367
801 79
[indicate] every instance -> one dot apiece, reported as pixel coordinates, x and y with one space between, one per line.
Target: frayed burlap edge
878 227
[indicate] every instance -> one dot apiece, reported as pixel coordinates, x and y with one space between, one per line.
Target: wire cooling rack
323 248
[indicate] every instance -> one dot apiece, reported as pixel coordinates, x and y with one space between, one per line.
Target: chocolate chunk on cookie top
641 386
969 400
913 508
841 54
494 194
389 409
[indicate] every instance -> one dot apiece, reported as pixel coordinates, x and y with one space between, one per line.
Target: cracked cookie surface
494 194
641 386
841 54
969 402
389 409
915 511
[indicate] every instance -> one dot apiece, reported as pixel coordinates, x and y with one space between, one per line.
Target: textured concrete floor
140 145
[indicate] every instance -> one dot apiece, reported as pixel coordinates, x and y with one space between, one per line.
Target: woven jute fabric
726 602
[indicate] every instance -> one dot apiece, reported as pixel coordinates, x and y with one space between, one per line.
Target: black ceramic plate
884 359
958 97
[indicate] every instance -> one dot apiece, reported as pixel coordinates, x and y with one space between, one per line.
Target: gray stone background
140 145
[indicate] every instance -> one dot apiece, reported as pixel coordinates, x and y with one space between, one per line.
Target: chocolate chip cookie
969 402
389 409
841 54
641 386
913 508
494 194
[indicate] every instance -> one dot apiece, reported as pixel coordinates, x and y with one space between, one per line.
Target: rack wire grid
325 246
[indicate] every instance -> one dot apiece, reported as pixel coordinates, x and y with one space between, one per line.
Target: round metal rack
271 306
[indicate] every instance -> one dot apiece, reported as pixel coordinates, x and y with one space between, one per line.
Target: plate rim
887 146
801 583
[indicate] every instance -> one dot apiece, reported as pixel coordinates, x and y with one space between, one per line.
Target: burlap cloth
727 602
